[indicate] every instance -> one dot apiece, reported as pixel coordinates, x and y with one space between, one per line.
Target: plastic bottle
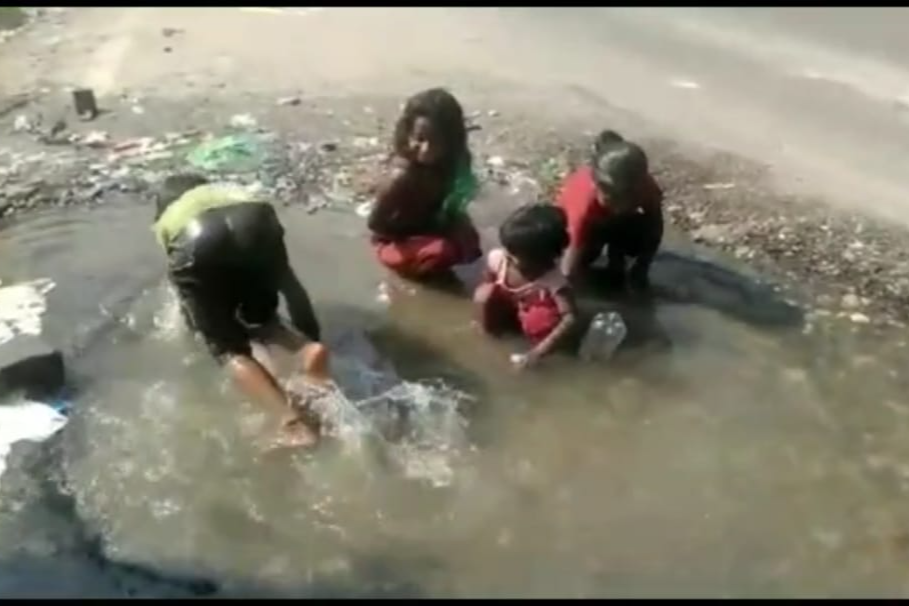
606 333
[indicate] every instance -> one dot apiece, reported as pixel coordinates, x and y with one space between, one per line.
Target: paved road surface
820 94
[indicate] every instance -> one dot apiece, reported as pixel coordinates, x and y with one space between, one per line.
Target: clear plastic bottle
606 333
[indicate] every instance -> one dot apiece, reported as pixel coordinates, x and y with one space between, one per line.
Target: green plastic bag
233 153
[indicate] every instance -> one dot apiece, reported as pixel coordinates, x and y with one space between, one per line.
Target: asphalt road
821 95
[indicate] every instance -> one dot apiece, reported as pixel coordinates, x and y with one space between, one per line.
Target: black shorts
227 267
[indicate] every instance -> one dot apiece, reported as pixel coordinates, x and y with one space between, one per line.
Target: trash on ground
85 103
716 186
26 421
96 138
243 121
287 101
364 209
233 153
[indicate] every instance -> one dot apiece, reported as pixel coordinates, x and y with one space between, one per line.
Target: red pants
424 256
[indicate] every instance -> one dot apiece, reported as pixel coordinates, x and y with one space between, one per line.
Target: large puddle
746 459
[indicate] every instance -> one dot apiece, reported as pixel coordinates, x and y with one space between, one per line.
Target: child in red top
420 225
614 202
524 288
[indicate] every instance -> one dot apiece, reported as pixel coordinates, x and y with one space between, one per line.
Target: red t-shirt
578 198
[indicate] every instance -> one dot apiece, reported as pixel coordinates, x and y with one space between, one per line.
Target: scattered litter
23 124
496 162
168 32
851 301
492 113
85 103
364 209
27 421
96 138
365 142
138 110
234 153
243 121
860 318
714 186
286 101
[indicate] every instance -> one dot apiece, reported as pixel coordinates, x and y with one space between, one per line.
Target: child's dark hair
445 112
603 141
173 187
619 164
536 235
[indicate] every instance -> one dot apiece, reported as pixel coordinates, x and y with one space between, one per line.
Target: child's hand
525 360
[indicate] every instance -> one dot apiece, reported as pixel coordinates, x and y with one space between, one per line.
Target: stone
30 365
851 301
859 318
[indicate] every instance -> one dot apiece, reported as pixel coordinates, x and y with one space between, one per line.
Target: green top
193 203
463 190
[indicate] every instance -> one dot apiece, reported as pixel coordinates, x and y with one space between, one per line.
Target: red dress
422 256
531 307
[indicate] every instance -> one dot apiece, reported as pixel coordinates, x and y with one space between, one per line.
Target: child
227 261
616 203
524 287
420 224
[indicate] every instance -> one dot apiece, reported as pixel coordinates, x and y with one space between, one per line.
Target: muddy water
741 461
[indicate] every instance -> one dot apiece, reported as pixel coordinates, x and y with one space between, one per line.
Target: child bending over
613 202
524 288
420 224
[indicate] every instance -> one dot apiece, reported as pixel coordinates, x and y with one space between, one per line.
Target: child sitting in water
524 288
613 202
420 224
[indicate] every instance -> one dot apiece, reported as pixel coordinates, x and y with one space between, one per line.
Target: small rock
96 138
496 162
285 101
742 251
138 110
23 124
860 318
851 301
711 234
167 32
717 186
243 121
492 113
28 363
328 146
168 49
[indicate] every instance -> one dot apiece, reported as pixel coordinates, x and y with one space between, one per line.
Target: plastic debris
234 153
243 121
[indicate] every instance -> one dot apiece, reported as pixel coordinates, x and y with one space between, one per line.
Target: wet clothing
593 226
227 260
532 307
452 240
422 256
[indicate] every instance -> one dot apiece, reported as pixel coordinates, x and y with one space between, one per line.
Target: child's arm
299 306
567 307
394 189
639 275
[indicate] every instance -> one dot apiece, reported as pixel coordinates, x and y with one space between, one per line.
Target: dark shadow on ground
680 279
